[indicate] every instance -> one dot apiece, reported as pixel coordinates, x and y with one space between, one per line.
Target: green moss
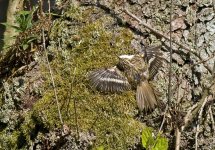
10 141
109 116
79 47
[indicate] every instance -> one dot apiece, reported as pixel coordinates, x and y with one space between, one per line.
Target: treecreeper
133 72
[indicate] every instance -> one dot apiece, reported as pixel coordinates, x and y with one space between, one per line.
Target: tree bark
13 7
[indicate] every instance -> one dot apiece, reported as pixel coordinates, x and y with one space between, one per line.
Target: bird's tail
146 96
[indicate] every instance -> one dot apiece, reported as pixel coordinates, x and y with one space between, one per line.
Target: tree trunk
13 7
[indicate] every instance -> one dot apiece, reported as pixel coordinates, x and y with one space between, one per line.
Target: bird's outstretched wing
146 97
154 65
151 52
109 80
153 56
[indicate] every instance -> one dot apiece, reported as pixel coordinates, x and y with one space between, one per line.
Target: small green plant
26 42
150 142
23 20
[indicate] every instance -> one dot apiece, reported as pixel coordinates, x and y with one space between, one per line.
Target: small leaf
100 148
25 46
10 26
147 138
161 144
5 24
31 39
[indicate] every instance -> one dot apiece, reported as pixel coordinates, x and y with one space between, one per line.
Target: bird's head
124 61
128 62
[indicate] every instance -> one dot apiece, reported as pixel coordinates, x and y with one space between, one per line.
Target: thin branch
194 110
213 3
177 131
74 104
52 79
188 115
199 121
170 61
213 71
205 60
76 118
41 7
70 88
178 139
49 9
164 119
212 120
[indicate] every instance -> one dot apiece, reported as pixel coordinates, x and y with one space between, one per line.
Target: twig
76 118
199 121
49 10
179 81
70 88
212 120
213 3
213 71
194 110
203 61
41 7
170 62
164 118
52 79
50 15
188 115
163 121
178 139
177 131
74 103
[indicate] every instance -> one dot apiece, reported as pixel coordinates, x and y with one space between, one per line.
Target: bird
132 72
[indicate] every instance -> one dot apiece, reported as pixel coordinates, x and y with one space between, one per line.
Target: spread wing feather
154 65
153 57
109 80
151 52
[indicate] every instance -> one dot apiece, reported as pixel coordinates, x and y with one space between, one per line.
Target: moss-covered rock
80 47
82 40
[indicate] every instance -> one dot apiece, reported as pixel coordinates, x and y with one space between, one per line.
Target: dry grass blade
52 79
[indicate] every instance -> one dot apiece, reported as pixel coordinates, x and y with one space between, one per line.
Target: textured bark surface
13 7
